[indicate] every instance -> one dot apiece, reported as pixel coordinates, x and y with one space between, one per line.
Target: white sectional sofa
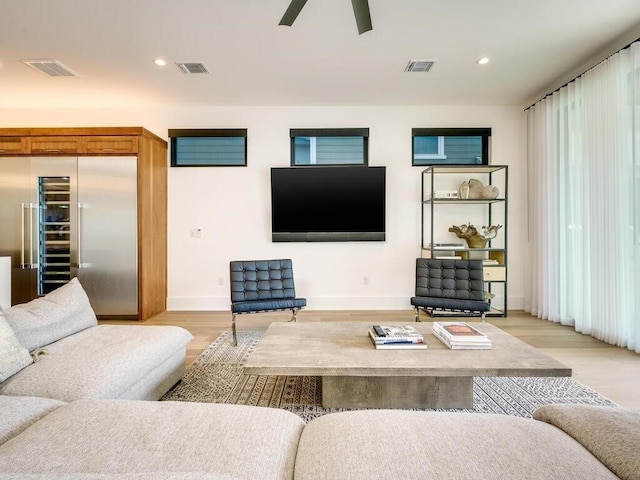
76 414
75 358
122 439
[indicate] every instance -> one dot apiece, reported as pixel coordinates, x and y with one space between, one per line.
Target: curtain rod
577 76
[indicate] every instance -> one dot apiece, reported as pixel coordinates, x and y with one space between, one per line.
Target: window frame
175 134
329 132
441 133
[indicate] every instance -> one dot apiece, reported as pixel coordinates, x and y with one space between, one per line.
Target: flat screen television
328 204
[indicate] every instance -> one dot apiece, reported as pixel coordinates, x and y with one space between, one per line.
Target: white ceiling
320 60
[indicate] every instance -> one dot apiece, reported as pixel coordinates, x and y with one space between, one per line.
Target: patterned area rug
216 376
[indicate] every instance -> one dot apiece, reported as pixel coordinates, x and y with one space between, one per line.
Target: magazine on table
399 346
383 334
459 335
460 331
453 345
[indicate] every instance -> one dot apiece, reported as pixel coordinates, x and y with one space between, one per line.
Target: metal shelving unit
436 241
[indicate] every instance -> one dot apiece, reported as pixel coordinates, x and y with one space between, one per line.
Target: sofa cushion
396 444
118 437
612 435
105 361
18 413
120 476
13 356
58 314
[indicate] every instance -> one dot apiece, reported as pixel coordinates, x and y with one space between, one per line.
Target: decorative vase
474 238
463 191
476 241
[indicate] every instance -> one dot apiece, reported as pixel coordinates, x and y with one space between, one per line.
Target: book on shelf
460 335
394 334
446 246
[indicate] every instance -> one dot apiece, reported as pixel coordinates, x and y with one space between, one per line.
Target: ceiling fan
360 9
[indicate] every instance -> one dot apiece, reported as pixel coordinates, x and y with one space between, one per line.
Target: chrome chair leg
416 316
233 329
294 316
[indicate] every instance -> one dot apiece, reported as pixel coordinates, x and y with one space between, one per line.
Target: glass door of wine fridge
54 229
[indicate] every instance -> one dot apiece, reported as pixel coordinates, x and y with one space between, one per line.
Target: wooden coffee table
356 375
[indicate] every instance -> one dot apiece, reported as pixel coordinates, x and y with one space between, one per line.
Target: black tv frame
330 236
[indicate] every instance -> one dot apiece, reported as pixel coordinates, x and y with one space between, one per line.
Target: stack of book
386 337
461 336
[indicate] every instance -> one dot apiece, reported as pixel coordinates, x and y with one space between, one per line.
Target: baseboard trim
313 303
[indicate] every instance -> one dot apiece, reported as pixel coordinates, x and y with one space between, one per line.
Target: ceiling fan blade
292 12
363 16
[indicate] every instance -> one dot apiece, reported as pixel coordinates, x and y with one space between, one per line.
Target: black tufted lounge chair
262 286
450 285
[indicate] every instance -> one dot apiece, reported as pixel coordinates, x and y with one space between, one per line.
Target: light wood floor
611 371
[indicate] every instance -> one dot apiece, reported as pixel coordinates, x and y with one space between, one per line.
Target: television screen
328 204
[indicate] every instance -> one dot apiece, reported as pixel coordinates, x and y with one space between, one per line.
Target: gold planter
476 241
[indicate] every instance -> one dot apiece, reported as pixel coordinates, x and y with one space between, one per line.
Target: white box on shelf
494 273
445 194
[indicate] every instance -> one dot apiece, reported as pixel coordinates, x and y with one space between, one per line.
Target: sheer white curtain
584 203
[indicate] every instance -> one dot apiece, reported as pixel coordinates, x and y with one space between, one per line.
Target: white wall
231 205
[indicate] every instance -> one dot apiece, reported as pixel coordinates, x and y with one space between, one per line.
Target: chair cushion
261 280
266 306
450 304
447 278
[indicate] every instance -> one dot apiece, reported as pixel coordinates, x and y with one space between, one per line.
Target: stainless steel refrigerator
65 217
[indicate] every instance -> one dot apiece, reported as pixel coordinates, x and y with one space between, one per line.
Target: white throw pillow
58 314
13 356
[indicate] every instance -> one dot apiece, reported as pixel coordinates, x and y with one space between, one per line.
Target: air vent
51 68
420 66
192 67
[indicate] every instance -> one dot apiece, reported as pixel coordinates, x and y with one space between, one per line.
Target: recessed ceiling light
160 62
483 61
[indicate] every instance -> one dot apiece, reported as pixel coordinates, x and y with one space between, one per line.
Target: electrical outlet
365 280
220 281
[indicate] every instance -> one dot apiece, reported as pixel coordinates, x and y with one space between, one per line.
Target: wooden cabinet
13 145
53 145
62 141
102 145
150 152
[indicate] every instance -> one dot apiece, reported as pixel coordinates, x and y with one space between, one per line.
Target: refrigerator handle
31 208
26 240
79 237
22 234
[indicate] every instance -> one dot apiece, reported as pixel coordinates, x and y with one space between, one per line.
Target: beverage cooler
71 217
